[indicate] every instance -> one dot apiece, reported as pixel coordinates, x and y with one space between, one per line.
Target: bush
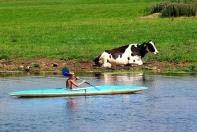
183 1
35 65
158 7
4 57
191 68
176 10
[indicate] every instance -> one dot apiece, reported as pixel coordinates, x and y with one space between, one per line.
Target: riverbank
55 66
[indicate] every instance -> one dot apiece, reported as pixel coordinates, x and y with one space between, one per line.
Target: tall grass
174 9
183 1
158 7
177 10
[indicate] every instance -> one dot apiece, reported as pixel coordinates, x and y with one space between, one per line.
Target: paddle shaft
90 84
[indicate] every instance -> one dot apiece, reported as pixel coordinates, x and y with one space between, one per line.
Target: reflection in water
121 79
71 104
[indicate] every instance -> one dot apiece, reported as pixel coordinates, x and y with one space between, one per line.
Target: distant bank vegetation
175 8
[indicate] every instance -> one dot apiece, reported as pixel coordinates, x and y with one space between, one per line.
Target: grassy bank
81 29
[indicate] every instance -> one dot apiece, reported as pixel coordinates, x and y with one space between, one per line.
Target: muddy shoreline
55 66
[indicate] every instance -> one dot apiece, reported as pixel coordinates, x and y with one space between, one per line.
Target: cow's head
150 47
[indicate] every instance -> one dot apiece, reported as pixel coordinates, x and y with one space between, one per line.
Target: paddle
92 85
66 72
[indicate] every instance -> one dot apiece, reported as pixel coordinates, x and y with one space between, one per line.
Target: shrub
191 68
176 10
158 7
4 57
183 1
35 65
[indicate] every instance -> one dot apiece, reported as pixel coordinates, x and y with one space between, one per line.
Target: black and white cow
125 55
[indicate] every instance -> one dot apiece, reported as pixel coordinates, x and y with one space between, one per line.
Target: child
71 81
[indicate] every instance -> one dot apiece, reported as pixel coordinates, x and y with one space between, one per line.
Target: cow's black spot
133 60
128 58
139 50
150 47
117 51
135 50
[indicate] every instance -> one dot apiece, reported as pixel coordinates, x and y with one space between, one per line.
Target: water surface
169 105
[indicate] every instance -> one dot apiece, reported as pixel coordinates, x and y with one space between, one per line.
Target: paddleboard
99 90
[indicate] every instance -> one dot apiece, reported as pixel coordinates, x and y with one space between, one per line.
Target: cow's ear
144 44
152 42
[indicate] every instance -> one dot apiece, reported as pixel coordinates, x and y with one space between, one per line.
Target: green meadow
81 29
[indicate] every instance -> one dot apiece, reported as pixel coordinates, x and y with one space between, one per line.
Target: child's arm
77 85
74 83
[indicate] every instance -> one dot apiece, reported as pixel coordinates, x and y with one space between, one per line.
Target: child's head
71 75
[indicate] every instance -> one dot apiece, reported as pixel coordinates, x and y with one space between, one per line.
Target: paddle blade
65 72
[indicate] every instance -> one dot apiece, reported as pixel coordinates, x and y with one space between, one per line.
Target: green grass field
81 29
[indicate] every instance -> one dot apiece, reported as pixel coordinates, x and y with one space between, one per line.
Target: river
168 105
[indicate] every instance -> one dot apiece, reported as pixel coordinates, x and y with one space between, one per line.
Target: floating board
99 90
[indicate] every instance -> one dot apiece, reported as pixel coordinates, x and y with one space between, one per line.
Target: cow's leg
135 60
106 63
139 61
